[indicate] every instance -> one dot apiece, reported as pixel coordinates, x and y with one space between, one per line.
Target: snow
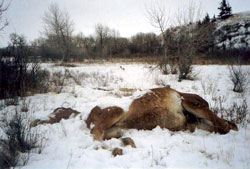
236 18
236 30
69 143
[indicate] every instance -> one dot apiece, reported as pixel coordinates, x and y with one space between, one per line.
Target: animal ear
193 100
96 109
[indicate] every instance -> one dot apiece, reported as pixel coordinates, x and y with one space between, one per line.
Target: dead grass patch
127 90
122 92
66 64
146 60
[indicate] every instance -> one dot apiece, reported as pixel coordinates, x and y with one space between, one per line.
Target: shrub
239 77
17 140
185 68
17 75
57 81
237 112
17 79
180 51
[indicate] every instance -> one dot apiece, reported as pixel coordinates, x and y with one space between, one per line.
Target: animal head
197 106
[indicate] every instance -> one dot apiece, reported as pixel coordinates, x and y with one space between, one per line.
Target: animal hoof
112 133
128 141
117 151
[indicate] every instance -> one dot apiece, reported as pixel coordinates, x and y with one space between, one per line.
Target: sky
127 16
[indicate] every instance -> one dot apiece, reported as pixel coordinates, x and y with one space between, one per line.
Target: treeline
106 44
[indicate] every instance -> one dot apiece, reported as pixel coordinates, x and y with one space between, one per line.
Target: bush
239 77
17 75
237 113
17 140
37 80
58 80
16 79
180 51
185 68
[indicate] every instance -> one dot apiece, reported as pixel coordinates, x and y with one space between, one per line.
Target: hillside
233 32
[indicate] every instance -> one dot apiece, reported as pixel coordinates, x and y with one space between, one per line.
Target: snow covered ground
69 143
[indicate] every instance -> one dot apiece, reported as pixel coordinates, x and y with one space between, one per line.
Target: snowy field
69 144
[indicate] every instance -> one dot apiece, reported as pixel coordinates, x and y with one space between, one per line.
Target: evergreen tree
206 19
225 10
214 19
199 23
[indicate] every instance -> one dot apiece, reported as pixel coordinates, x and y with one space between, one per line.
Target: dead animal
164 107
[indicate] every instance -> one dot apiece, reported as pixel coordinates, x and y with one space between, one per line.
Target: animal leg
102 120
112 132
97 133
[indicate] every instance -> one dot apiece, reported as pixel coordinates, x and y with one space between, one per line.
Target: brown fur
117 151
57 116
128 141
103 119
112 132
197 106
164 107
161 106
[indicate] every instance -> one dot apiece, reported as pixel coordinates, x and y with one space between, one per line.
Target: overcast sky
126 16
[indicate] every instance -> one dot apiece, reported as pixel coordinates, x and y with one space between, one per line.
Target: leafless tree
178 41
158 18
102 34
3 8
186 19
59 28
144 43
188 14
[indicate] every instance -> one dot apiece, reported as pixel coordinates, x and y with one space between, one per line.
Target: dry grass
146 60
122 92
127 90
198 60
217 61
65 64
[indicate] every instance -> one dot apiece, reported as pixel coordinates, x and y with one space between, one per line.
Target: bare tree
3 8
178 41
144 43
159 19
113 44
186 19
102 34
189 14
59 28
